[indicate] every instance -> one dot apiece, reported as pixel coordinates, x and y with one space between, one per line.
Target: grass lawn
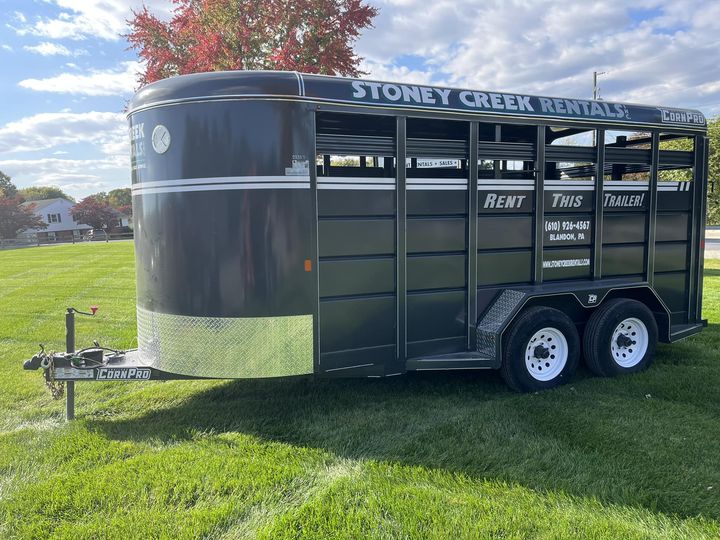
422 456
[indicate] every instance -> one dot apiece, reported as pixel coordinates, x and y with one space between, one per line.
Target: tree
7 188
16 217
121 200
38 193
314 36
714 171
94 211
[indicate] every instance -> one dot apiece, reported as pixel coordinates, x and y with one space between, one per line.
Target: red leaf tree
314 36
15 218
95 212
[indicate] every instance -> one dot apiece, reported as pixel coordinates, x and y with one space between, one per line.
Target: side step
461 360
681 331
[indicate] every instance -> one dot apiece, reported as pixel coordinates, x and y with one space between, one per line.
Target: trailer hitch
49 361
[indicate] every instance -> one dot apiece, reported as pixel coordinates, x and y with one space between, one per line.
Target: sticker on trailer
567 231
123 374
567 263
73 373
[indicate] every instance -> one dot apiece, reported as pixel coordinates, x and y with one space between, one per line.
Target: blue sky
67 73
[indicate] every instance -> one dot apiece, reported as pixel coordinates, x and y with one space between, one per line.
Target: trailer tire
620 337
529 363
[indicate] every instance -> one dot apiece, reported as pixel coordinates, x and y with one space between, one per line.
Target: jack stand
70 347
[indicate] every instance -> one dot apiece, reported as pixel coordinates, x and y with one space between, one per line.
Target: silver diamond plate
494 319
226 347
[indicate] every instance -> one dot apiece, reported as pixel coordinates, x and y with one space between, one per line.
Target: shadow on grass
594 438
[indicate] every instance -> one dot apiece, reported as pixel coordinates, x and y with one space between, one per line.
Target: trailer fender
578 303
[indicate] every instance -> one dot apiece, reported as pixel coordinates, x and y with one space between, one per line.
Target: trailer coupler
62 369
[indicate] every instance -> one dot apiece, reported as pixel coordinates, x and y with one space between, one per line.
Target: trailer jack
62 369
51 362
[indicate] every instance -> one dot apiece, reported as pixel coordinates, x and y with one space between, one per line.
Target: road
712 248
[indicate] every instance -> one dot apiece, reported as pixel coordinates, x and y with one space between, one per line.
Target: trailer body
290 224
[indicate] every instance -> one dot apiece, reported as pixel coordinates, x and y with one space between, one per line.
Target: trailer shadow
567 439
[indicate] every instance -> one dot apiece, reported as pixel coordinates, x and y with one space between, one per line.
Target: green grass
422 456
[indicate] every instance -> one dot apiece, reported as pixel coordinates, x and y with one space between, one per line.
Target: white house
60 224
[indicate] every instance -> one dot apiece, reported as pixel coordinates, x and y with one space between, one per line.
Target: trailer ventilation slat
586 171
355 145
570 153
437 148
627 155
506 150
676 158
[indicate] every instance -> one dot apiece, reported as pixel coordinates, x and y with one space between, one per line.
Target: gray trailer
293 224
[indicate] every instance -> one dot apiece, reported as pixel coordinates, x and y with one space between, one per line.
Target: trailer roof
362 92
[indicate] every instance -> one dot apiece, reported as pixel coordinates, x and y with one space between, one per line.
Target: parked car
96 235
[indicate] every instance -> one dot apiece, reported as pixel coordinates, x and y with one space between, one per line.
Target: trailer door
437 236
357 243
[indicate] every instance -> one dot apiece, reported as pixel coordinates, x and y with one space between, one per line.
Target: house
60 224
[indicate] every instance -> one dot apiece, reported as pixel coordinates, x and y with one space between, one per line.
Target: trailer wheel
620 337
542 350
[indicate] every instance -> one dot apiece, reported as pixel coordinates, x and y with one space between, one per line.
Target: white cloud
654 51
6 47
105 130
46 48
103 19
107 82
77 177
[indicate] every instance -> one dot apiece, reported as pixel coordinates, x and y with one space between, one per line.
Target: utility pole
596 89
596 94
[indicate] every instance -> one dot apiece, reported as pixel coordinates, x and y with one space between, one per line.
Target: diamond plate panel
225 347
495 317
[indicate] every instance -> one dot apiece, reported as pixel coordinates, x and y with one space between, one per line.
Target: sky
66 73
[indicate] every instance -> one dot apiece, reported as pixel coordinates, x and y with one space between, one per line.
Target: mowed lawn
421 456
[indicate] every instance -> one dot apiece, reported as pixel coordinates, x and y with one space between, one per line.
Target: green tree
120 198
39 193
686 144
714 171
7 188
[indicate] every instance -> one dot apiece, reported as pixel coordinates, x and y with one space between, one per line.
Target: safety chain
57 388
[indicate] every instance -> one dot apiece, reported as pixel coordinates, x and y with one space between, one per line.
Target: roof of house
39 205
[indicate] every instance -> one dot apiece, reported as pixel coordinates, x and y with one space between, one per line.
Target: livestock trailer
290 224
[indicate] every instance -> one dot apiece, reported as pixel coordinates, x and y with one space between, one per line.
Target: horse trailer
291 224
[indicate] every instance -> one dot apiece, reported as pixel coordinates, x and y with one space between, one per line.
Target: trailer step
461 360
494 320
681 331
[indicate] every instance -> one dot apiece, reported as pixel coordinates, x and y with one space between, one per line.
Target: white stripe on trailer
386 187
436 187
221 187
517 181
220 180
568 188
505 187
448 181
354 180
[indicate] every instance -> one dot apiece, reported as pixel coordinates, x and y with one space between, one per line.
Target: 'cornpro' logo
123 374
682 117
